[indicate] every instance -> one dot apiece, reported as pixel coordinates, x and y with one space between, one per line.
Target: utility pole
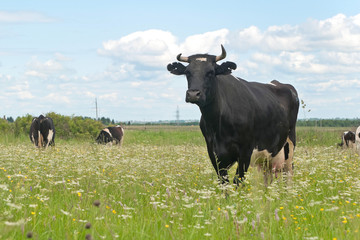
96 107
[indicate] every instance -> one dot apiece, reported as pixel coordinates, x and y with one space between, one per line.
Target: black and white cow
110 135
241 121
42 131
347 139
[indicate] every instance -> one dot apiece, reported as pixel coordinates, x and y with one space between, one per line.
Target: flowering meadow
161 185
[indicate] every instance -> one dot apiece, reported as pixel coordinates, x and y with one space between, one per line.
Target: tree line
84 127
66 127
338 122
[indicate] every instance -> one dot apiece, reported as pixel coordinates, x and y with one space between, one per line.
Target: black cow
241 121
347 139
42 131
110 134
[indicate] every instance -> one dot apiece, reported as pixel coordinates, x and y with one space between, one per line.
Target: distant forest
85 127
338 122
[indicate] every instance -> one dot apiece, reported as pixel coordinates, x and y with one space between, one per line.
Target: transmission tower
177 115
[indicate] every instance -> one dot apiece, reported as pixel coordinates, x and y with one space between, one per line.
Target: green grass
160 185
164 135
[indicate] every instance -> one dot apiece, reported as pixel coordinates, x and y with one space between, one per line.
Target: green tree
10 119
22 125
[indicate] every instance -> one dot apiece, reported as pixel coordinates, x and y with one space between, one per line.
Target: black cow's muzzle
192 96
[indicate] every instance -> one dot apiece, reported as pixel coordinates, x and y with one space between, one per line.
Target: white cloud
47 66
204 43
62 58
57 98
120 71
150 48
5 78
314 47
336 85
300 63
50 68
109 97
23 17
25 95
90 94
317 57
339 32
20 90
275 38
34 73
330 46
136 84
156 48
138 99
321 58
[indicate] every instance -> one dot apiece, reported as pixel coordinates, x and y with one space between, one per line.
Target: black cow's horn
182 59
223 54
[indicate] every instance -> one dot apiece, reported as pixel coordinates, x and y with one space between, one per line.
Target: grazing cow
42 131
110 134
347 139
241 121
357 139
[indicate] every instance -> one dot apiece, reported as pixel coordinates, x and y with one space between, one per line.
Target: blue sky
61 55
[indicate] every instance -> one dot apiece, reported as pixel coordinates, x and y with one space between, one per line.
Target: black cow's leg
223 176
216 159
243 166
240 172
220 169
222 163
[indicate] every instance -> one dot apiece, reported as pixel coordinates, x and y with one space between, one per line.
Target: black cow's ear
225 68
176 68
